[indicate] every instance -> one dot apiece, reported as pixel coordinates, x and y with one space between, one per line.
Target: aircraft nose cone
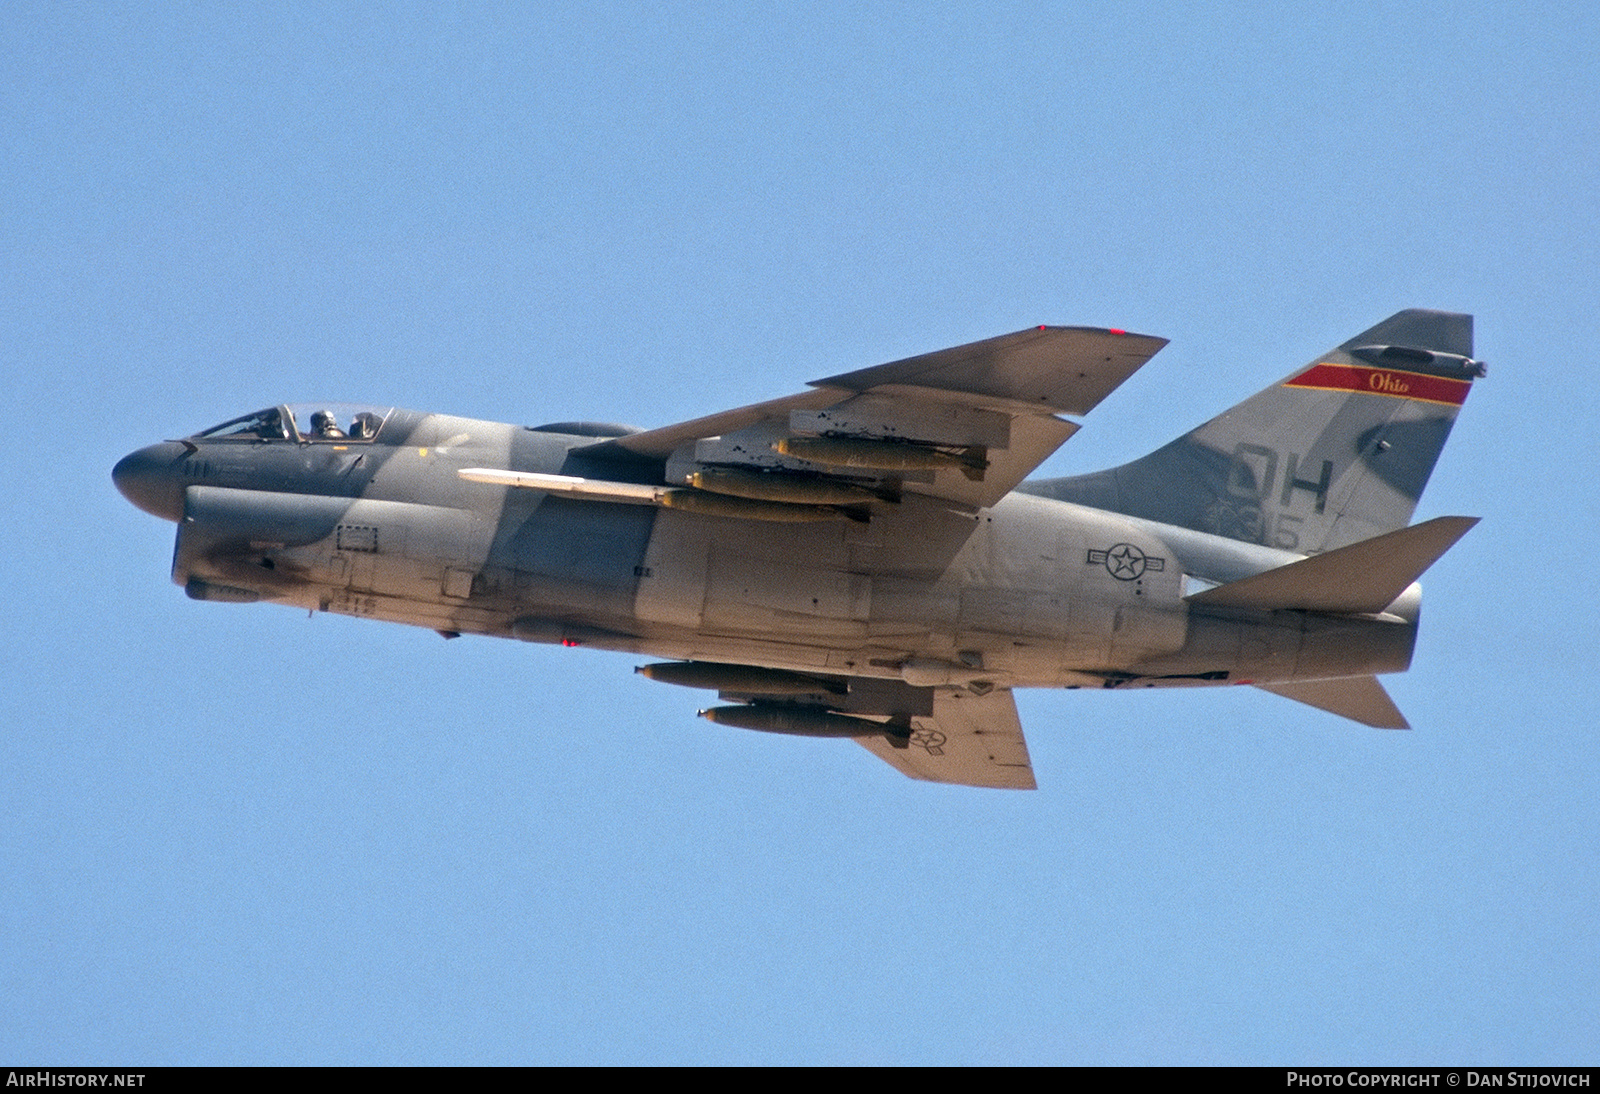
149 478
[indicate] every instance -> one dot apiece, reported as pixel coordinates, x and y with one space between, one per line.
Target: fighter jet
864 559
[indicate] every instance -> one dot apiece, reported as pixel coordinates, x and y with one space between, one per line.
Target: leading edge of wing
1066 370
1044 370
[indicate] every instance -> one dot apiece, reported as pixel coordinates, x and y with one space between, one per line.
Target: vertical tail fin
1336 453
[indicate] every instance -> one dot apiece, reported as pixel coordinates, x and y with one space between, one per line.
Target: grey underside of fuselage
1022 592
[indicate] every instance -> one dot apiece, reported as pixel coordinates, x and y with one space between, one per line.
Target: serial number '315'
1252 479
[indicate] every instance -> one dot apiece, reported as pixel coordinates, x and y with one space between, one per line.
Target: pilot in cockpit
325 427
364 426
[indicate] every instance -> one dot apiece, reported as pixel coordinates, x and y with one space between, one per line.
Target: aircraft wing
945 735
992 403
970 740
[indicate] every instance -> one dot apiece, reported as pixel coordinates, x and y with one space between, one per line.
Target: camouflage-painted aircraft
864 559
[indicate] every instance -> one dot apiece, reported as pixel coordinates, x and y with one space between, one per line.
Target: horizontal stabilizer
1364 577
1359 698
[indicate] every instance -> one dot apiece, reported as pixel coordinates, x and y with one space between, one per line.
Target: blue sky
237 835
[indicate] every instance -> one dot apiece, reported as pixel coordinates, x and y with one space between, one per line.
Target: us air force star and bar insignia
1125 562
930 739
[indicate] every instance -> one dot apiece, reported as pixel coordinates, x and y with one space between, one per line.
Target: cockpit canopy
344 422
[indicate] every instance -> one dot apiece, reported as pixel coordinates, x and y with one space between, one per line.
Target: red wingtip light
1114 330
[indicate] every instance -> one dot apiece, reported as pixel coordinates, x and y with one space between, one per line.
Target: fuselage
376 521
